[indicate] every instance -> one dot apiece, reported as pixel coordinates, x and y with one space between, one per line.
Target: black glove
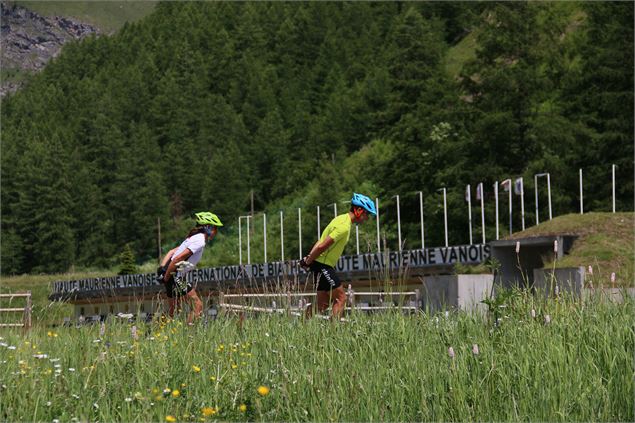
161 273
303 263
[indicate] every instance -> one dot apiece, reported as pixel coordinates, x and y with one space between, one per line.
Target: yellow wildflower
196 369
176 393
212 378
234 365
242 408
263 390
170 419
208 411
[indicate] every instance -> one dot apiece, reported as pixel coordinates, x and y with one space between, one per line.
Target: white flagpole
377 220
581 195
240 243
423 241
510 205
445 215
522 202
469 209
496 200
613 173
549 194
536 191
482 211
300 232
264 232
398 222
281 236
248 245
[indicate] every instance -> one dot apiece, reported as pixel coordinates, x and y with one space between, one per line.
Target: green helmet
207 218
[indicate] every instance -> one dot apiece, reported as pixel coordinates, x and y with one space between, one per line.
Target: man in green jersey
327 250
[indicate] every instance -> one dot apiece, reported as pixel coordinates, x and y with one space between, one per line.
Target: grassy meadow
544 360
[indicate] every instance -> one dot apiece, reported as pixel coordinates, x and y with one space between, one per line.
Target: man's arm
318 249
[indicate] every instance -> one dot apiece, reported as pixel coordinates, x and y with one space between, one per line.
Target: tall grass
572 361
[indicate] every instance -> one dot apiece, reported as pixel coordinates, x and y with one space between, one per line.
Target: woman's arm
168 256
172 266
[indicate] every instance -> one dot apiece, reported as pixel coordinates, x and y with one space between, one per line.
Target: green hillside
108 16
201 104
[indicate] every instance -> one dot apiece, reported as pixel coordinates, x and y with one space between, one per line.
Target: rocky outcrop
28 41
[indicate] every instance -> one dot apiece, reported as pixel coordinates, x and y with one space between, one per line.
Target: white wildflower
451 352
533 313
547 319
475 350
517 247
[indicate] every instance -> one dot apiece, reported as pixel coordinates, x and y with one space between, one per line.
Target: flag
479 194
518 186
506 184
467 193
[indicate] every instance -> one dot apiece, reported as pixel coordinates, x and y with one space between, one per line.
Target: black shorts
172 290
324 276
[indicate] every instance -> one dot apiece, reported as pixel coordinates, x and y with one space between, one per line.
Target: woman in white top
173 275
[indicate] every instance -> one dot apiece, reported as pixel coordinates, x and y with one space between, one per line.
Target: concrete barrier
462 292
572 280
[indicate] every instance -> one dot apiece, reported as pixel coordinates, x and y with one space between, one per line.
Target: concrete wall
571 279
567 279
463 292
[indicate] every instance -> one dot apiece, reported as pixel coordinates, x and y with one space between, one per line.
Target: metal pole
522 202
248 246
335 209
240 243
469 209
482 211
496 201
357 237
445 215
300 232
536 191
377 219
281 236
264 231
510 206
423 239
613 172
398 222
549 194
581 199
319 231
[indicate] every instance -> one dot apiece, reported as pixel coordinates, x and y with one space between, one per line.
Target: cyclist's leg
197 305
338 296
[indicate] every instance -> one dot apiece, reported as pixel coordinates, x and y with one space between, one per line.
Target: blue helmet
364 202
